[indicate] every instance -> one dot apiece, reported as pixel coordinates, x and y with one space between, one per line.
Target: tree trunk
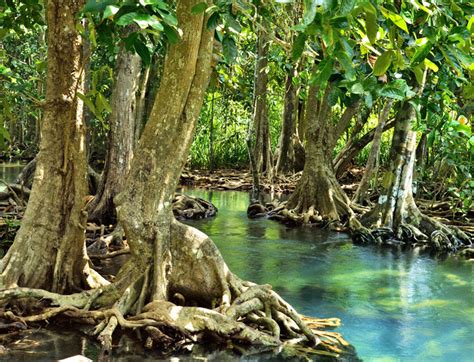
262 147
396 210
121 136
48 251
286 156
354 146
146 216
372 161
318 196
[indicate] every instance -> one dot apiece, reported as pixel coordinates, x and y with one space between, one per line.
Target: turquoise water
395 306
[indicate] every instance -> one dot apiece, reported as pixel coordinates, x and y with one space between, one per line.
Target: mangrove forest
236 180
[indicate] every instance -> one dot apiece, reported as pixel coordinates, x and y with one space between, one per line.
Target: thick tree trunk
396 213
372 161
146 215
48 251
171 262
286 155
318 196
121 136
262 146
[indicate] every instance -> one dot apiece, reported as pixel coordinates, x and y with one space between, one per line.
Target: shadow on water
394 305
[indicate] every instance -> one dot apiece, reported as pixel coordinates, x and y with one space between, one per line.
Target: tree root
258 316
426 233
188 207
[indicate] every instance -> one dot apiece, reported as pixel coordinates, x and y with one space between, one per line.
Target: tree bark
262 146
141 102
372 161
318 196
121 136
345 120
48 251
146 216
286 156
396 209
354 146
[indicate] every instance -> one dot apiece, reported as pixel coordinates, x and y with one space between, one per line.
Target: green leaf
199 8
89 104
431 65
419 73
392 92
310 10
346 7
298 46
383 63
232 24
323 72
97 6
346 63
371 26
110 11
357 88
145 20
171 34
421 53
127 19
369 101
213 21
102 104
159 3
395 18
168 17
229 48
143 51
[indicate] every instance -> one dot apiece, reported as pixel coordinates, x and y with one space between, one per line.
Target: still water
395 306
8 173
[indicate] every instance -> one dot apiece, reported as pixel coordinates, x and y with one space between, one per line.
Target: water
395 306
8 173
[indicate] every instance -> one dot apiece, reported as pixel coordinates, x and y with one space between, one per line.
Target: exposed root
189 207
425 233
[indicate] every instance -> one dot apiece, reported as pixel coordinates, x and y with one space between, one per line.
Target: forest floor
241 180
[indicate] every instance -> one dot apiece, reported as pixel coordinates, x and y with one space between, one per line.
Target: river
395 305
